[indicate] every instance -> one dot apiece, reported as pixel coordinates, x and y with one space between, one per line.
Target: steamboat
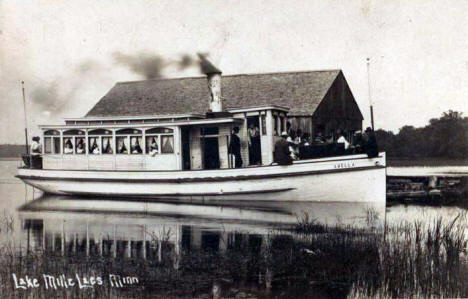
171 139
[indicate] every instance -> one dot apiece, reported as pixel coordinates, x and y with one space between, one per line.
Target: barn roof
302 92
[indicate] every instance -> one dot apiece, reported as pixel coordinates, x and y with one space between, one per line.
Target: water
159 231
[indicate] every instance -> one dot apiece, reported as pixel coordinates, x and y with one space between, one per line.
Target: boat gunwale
201 179
297 162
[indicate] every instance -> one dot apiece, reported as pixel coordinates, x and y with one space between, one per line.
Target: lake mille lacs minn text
62 281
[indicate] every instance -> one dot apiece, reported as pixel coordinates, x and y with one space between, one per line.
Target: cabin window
129 141
275 125
52 142
107 145
100 142
152 145
122 145
135 144
281 125
48 145
68 145
80 147
167 144
71 138
159 141
56 142
94 145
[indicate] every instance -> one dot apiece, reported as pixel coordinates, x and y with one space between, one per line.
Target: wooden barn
319 101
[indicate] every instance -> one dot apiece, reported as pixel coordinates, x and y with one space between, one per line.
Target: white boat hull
355 178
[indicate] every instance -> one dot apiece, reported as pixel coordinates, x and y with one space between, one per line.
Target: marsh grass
412 259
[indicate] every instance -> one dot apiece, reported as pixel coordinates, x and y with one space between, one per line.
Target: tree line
444 137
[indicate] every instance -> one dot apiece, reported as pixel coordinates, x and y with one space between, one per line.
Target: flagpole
25 119
369 91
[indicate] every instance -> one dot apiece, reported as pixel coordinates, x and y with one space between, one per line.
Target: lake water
127 229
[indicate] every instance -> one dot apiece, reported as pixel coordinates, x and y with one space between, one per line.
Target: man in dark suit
282 156
235 147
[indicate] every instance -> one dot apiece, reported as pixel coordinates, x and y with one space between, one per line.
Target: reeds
412 259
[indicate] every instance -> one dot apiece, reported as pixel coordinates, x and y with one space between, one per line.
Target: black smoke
206 66
151 66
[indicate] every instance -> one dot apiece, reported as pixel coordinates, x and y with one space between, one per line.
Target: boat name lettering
344 165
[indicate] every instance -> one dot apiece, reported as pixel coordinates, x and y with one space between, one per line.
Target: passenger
153 148
254 145
358 143
305 139
122 148
292 148
35 148
371 148
298 137
288 128
329 139
235 147
95 149
80 148
319 139
282 156
68 147
342 140
136 148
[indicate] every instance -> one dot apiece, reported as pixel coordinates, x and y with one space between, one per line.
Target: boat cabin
174 142
180 124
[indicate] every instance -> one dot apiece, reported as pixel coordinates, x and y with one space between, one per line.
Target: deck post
143 141
269 130
178 146
61 143
87 148
114 147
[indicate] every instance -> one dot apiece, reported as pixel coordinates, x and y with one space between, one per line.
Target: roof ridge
233 75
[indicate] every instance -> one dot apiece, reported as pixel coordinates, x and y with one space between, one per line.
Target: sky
70 53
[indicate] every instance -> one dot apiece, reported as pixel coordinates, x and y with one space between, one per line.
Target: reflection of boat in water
187 154
63 223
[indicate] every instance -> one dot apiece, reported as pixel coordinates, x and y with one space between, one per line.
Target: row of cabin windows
127 141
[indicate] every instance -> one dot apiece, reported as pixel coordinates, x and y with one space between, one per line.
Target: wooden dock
443 183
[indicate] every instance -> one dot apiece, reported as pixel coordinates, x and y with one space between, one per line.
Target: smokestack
214 83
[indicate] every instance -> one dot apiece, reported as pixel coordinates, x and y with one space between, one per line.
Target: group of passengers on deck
296 145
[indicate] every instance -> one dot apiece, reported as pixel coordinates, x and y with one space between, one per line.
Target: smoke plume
151 66
54 96
206 67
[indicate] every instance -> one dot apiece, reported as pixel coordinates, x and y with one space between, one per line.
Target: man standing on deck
35 151
282 155
235 148
371 147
